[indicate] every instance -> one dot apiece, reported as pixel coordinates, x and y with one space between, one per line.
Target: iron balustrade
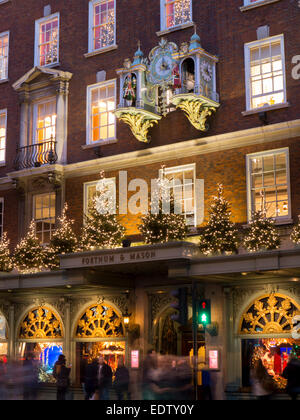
36 155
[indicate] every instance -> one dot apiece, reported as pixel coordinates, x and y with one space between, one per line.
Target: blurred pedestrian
263 385
150 364
121 383
104 377
90 379
62 375
292 374
30 378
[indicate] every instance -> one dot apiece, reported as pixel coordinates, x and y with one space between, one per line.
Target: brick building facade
56 57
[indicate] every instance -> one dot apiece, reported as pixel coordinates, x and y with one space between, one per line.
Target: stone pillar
24 119
12 331
61 120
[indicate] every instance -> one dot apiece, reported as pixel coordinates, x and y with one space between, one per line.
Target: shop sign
118 258
135 359
213 356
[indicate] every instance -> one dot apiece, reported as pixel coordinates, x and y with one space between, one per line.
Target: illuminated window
268 183
47 41
3 122
90 191
4 47
45 121
44 216
102 24
265 73
175 13
101 105
182 186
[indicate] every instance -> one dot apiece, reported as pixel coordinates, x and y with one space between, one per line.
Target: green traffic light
204 318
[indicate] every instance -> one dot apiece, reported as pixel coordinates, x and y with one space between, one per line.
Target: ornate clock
162 63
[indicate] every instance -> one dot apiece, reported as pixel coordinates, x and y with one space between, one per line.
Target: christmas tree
262 234
219 235
6 264
29 255
102 228
63 241
295 234
163 224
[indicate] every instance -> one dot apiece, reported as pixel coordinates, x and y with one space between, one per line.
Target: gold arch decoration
100 321
270 314
40 323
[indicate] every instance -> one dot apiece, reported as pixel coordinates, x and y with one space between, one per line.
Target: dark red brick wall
223 29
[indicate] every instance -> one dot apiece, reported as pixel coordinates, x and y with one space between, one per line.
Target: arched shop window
3 339
99 331
41 335
266 331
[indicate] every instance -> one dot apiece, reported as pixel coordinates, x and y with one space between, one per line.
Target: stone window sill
4 80
257 4
175 28
102 51
278 222
4 1
50 66
265 109
99 144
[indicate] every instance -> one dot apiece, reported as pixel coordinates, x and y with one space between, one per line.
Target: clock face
161 68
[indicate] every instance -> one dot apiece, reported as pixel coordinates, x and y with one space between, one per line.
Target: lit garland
30 255
295 235
262 234
63 241
6 264
163 227
219 235
102 228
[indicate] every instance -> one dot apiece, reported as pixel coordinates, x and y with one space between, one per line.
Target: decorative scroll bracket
197 109
139 121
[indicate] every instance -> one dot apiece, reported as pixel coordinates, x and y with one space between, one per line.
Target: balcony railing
36 155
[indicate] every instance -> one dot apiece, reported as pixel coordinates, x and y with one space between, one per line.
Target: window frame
2 35
247 51
42 220
250 202
35 117
38 24
4 112
90 88
87 185
163 17
2 217
191 167
91 48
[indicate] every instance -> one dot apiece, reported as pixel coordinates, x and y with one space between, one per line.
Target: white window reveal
91 189
47 41
175 13
44 216
3 129
102 26
4 49
268 183
187 191
101 102
265 73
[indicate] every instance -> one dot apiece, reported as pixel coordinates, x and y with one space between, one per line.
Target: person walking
292 374
62 375
121 383
30 378
104 379
90 379
263 385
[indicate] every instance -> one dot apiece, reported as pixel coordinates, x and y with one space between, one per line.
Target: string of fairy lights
103 230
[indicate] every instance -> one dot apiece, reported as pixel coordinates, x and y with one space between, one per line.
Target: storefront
41 335
99 331
266 333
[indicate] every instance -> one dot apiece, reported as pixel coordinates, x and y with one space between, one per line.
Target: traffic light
181 305
204 312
